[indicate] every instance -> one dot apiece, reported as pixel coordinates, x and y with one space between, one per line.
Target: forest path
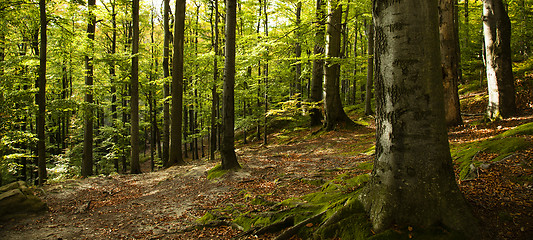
158 205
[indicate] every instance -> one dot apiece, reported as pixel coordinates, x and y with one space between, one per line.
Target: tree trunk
113 82
298 52
229 159
166 90
497 36
134 121
334 111
176 156
214 94
87 161
450 60
318 64
354 93
369 70
412 183
265 124
41 97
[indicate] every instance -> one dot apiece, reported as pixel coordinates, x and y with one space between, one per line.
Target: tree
166 74
497 35
412 182
334 111
450 61
318 63
214 93
87 161
135 166
370 70
176 156
227 150
41 96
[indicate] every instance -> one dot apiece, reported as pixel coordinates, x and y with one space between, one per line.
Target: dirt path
159 205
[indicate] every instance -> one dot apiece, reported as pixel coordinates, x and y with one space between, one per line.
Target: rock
18 198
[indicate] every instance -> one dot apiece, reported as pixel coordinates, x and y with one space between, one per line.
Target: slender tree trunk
41 96
87 161
354 93
412 183
135 165
370 71
166 90
450 60
176 156
467 25
497 35
112 72
298 52
214 94
318 64
229 159
265 132
334 111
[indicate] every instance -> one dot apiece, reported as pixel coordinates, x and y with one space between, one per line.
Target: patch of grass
216 172
366 165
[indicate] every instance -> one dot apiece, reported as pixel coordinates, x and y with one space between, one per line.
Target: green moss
433 233
526 129
464 154
207 217
370 150
366 165
216 172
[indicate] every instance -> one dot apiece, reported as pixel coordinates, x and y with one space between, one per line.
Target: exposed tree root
287 234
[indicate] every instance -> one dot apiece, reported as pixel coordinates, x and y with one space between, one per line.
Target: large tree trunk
298 52
412 182
318 64
370 70
450 62
87 161
497 35
176 156
334 111
41 97
229 159
166 90
134 104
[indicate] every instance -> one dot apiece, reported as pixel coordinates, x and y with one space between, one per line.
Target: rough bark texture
497 35
227 150
166 88
450 62
369 71
412 182
334 111
87 161
318 64
176 156
41 97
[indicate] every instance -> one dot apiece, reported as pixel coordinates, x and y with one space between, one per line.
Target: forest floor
161 204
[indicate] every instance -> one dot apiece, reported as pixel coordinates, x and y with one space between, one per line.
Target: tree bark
450 62
370 71
412 183
334 111
87 161
298 52
497 36
318 64
176 156
166 90
41 97
229 159
134 104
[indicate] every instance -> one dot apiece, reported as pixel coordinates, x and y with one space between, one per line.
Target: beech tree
227 150
87 161
135 166
334 110
176 156
450 61
318 63
497 36
412 182
166 75
41 96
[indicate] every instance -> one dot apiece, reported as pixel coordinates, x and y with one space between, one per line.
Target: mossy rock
18 198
